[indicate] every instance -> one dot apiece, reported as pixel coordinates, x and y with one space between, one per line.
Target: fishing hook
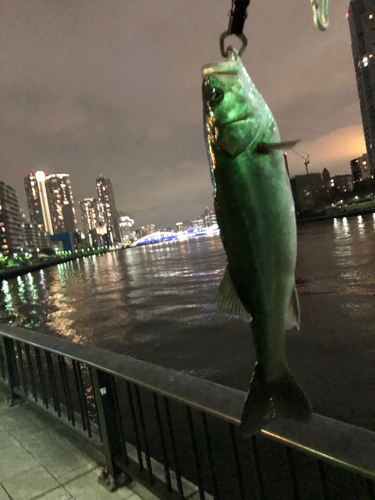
320 15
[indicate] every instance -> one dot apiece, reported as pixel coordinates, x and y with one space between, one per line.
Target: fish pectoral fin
293 314
228 299
269 400
267 147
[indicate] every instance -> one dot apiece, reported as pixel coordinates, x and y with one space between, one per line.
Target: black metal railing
178 435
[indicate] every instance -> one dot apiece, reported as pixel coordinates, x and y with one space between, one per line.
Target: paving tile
22 424
30 484
59 456
87 486
3 494
7 440
77 472
14 461
57 494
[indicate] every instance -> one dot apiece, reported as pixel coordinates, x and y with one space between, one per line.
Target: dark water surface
157 303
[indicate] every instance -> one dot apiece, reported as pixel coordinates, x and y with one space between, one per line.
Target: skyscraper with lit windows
107 211
361 17
37 200
11 226
89 214
61 203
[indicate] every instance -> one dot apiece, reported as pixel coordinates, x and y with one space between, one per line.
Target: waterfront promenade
38 459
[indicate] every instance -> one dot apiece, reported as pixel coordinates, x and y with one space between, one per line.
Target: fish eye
216 96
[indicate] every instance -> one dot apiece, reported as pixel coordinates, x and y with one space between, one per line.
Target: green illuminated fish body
255 213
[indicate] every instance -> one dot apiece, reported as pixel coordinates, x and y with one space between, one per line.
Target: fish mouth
242 119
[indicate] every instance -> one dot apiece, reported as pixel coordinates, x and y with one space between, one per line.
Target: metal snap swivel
223 36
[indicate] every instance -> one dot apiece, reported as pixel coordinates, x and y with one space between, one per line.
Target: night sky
111 87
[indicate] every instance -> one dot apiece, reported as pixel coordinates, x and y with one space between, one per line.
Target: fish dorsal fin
293 315
267 147
228 299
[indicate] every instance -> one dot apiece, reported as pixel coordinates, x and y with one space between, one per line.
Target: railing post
11 369
110 425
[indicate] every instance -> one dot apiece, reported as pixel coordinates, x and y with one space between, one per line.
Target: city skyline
69 102
96 206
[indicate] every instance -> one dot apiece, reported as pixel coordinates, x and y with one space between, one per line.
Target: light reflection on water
176 282
157 303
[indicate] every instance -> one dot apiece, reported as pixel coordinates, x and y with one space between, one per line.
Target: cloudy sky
114 87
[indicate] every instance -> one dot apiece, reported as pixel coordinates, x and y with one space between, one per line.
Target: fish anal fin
269 400
228 299
267 147
293 314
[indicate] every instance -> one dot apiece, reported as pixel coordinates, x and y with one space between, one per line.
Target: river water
157 303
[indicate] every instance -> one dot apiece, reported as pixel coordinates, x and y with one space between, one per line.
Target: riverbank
338 215
14 271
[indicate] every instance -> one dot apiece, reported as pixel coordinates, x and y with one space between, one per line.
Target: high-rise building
126 228
89 214
11 226
107 211
23 215
360 168
361 17
37 200
61 203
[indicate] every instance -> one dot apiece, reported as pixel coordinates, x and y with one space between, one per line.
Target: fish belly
255 213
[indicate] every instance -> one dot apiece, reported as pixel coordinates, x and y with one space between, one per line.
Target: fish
256 216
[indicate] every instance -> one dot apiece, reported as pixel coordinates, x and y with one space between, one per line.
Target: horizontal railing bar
332 441
201 394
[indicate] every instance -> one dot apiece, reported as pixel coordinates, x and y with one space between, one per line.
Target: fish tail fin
268 400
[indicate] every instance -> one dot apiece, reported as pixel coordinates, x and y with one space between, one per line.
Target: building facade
89 214
144 230
107 211
343 183
127 231
360 169
197 222
37 200
308 190
11 224
361 17
61 203
36 239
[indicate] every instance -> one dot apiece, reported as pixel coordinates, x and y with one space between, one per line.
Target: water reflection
353 252
361 226
7 297
125 297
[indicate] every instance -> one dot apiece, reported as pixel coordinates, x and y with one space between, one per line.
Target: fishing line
238 16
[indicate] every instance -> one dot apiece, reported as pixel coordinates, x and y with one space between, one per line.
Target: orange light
347 15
